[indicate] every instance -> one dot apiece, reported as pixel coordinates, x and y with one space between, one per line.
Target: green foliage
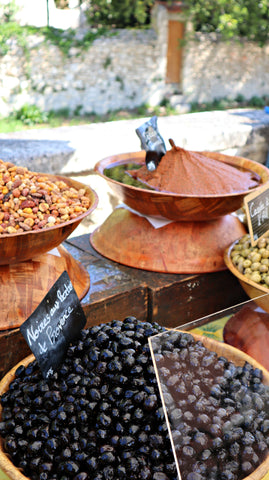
31 115
119 13
8 10
228 103
64 40
231 18
67 39
13 30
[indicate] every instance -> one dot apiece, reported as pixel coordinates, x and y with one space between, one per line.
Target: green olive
247 263
263 268
255 266
245 252
236 259
261 243
256 257
255 277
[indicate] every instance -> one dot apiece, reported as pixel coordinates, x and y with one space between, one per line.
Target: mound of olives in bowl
100 416
252 261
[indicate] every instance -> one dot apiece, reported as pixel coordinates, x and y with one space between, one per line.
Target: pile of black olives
100 417
218 412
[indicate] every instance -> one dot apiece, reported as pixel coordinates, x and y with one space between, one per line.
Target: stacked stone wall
127 69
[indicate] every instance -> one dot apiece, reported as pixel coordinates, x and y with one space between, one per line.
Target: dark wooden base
117 291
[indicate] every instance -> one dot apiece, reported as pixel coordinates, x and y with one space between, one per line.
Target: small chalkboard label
55 323
257 211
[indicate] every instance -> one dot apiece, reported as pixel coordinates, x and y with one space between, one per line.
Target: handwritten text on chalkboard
54 324
257 211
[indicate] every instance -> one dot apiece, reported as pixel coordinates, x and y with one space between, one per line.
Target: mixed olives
252 262
100 416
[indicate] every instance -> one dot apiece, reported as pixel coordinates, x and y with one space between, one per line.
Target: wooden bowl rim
67 180
239 275
9 468
122 158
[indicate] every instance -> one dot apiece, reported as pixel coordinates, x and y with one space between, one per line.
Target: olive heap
218 412
252 262
100 417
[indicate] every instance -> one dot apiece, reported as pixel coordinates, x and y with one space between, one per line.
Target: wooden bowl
238 357
175 206
19 247
248 330
179 247
252 289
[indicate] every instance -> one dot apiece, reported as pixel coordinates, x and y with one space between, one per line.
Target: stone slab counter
76 149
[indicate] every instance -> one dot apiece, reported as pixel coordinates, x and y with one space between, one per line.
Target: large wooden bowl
19 247
252 289
238 357
179 247
175 206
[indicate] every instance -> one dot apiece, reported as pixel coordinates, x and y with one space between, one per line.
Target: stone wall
214 69
127 69
118 71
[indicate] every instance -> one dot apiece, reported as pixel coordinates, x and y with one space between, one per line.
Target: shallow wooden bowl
19 247
175 206
252 289
248 330
238 357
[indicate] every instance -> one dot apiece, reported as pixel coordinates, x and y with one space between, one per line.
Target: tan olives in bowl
252 262
251 266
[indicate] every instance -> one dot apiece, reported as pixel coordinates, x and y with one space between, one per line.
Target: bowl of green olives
250 264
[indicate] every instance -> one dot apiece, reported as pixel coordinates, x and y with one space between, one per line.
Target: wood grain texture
24 285
175 206
25 246
179 247
248 330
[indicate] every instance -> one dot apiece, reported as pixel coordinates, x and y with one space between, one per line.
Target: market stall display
198 227
102 412
38 212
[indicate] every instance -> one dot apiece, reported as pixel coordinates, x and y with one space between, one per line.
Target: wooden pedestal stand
179 247
23 285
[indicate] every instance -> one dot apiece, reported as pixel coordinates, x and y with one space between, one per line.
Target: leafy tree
231 18
119 13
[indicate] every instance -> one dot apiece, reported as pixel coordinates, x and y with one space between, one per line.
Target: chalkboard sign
56 321
257 211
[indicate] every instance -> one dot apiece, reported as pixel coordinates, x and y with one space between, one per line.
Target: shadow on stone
48 156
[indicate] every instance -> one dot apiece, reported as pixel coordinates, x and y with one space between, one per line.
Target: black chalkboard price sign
257 212
55 323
